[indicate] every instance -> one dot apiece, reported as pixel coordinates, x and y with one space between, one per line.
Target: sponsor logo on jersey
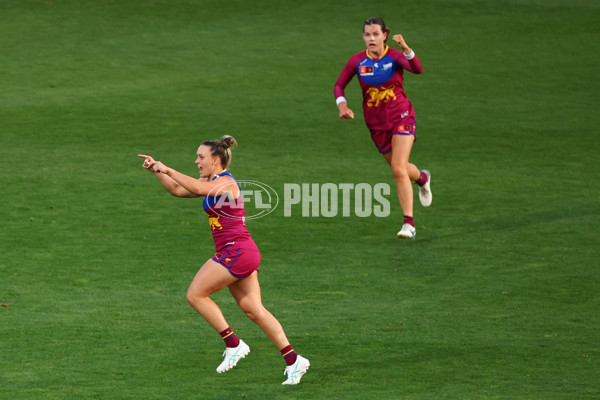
365 70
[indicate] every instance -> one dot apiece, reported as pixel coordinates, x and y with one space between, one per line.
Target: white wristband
340 99
410 55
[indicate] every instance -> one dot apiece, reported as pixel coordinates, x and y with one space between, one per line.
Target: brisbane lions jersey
384 100
227 218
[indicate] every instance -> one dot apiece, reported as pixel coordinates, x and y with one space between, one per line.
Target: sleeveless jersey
227 219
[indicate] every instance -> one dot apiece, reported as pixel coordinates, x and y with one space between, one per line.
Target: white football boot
407 232
295 371
425 194
232 356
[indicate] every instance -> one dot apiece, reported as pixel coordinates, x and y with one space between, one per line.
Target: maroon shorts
240 262
407 126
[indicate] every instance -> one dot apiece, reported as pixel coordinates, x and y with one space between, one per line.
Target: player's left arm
410 62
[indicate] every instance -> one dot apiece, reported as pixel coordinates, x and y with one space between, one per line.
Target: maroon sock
229 337
422 179
289 355
409 220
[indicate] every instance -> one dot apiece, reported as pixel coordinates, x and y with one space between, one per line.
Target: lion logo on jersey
213 221
378 96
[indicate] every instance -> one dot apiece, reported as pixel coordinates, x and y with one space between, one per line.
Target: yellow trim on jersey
383 55
217 175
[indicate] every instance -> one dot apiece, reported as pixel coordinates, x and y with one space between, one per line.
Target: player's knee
254 313
191 299
194 297
400 171
251 315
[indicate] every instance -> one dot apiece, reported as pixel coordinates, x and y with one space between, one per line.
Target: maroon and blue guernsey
384 100
227 219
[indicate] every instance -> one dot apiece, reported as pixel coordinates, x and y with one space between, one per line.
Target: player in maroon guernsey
235 264
388 113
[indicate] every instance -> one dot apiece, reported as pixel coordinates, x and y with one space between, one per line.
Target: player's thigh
211 278
401 148
246 293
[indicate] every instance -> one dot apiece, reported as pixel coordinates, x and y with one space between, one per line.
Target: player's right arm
182 185
338 90
345 111
170 184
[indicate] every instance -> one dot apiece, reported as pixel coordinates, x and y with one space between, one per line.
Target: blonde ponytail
222 149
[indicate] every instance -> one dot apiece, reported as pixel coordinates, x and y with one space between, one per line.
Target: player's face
374 38
206 162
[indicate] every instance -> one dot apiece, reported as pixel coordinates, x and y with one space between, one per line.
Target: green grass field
498 297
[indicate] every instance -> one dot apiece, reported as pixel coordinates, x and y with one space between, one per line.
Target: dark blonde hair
222 149
378 21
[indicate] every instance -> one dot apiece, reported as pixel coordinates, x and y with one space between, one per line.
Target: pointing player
235 265
389 115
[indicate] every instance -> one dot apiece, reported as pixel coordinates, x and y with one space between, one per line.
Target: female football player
235 264
388 113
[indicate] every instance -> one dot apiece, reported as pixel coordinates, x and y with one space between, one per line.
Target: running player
389 115
235 264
